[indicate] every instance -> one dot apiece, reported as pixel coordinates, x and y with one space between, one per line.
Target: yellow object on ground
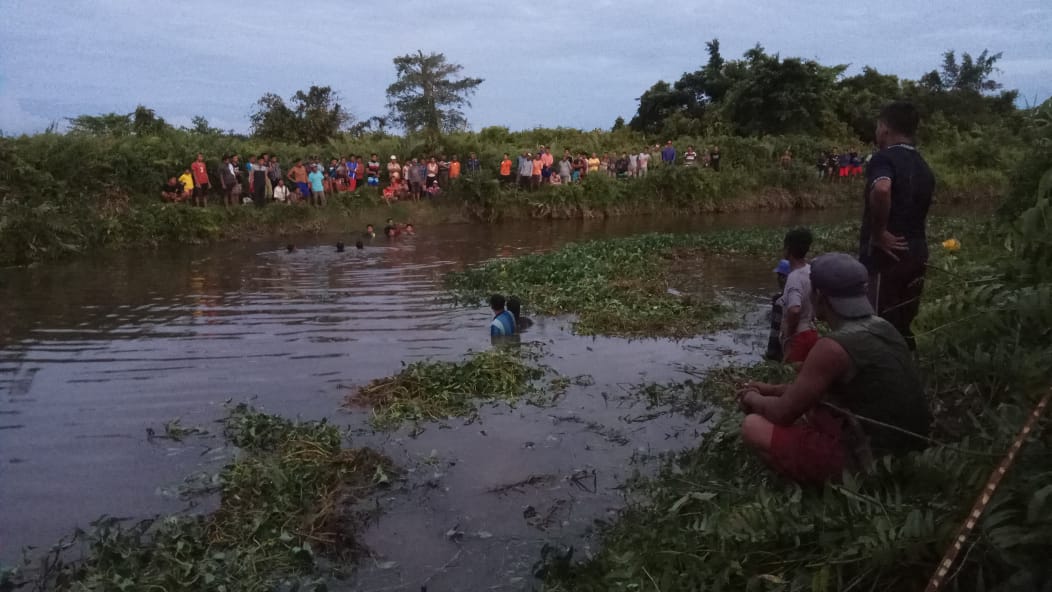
952 245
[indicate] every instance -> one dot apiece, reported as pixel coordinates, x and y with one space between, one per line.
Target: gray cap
842 280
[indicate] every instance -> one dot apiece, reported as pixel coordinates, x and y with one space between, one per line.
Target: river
96 350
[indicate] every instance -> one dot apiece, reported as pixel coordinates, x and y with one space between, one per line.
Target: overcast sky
578 64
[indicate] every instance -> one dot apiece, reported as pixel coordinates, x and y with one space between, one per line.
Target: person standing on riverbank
714 158
505 170
668 154
894 244
298 175
774 339
644 161
228 181
690 157
525 170
473 164
201 183
259 181
317 186
566 169
798 320
454 168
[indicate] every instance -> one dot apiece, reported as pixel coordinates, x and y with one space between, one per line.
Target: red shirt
200 173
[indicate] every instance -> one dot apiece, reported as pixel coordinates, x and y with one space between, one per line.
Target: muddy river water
95 351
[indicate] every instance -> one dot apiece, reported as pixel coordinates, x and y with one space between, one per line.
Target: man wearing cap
855 382
394 170
894 242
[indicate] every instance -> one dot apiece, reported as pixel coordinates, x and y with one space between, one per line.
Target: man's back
502 325
912 186
885 385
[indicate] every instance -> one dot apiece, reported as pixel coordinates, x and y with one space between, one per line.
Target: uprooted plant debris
432 390
290 499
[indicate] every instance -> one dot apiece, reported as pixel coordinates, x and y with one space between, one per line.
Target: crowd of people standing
260 179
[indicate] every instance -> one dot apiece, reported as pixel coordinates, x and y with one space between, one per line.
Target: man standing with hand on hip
894 243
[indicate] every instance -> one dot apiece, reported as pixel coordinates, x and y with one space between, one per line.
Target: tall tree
427 96
314 117
320 114
972 75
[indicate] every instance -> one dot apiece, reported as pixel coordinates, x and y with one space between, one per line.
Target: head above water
359 245
497 302
797 243
290 247
368 227
839 283
515 307
339 247
897 123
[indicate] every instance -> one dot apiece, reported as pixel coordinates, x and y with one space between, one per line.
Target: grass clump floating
433 390
288 503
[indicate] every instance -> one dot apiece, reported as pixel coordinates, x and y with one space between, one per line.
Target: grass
715 518
289 499
433 391
620 287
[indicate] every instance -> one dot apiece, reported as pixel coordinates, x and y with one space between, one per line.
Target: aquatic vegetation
621 286
432 390
714 518
288 500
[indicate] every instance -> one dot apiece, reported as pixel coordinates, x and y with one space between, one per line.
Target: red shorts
800 345
844 171
856 171
811 451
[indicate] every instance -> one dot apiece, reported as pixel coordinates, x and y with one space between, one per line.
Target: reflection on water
96 350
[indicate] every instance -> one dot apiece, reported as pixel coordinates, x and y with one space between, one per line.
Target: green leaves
429 390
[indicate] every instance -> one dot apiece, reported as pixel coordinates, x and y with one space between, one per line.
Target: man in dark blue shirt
668 154
474 165
893 244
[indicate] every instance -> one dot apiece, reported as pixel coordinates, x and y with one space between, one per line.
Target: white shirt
798 293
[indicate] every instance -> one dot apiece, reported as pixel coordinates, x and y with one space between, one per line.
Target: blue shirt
503 324
317 181
668 154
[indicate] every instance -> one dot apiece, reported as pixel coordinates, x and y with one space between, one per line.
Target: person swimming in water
369 232
290 247
515 308
339 247
359 245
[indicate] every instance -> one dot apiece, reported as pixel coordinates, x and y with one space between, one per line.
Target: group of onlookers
261 179
835 165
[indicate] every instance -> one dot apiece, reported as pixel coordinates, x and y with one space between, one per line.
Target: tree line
765 94
428 97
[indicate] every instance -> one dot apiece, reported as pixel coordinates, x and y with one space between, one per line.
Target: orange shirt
454 169
505 167
538 164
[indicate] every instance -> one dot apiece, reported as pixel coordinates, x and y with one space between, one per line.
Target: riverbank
716 517
32 232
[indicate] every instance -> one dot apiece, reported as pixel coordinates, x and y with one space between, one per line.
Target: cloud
570 64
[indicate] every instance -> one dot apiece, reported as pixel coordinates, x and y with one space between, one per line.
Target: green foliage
426 98
621 286
315 117
430 391
764 94
715 519
285 500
